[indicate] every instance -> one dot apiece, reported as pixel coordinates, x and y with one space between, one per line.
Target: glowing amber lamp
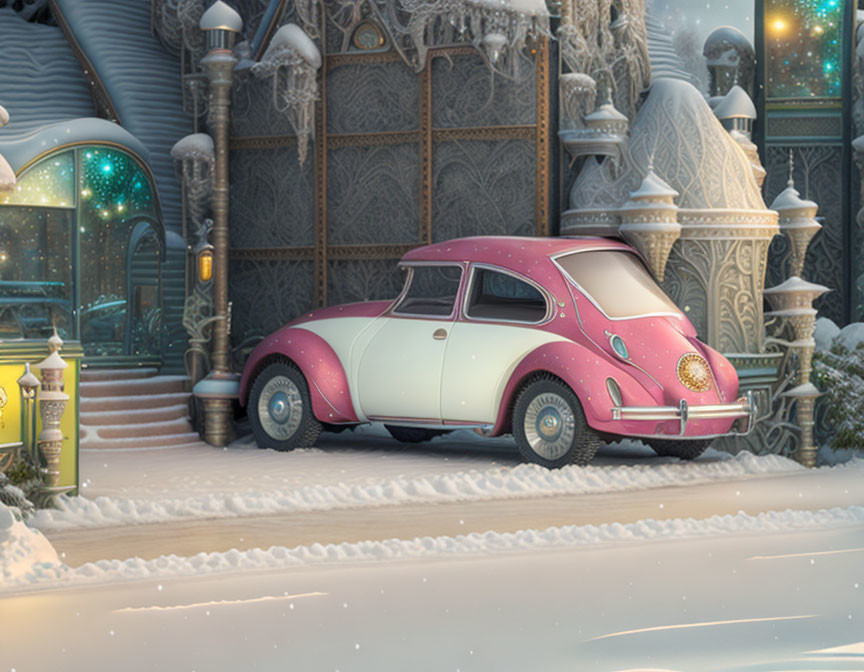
205 265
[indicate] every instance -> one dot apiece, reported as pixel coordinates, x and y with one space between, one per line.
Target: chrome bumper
745 407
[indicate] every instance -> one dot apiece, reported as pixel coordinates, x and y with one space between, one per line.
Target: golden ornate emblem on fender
694 372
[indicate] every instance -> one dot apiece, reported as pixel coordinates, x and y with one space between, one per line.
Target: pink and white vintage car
563 342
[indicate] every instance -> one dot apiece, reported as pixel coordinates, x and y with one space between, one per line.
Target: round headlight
694 372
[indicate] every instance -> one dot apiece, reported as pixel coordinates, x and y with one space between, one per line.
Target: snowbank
26 556
524 480
566 537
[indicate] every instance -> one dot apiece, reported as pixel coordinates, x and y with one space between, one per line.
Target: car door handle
440 334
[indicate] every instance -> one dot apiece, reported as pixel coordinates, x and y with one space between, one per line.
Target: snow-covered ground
777 592
360 470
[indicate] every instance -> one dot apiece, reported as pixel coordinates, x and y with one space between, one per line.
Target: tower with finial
797 220
649 221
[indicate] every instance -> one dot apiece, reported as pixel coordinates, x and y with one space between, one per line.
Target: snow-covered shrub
25 554
838 372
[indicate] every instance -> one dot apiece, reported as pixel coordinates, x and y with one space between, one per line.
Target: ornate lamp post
28 383
221 24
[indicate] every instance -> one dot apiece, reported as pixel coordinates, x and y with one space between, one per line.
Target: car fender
585 372
328 383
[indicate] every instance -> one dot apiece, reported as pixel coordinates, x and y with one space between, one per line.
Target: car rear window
617 282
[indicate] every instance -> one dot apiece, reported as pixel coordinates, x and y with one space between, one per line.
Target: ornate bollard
52 403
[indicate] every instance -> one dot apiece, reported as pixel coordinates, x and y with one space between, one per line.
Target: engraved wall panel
818 178
255 312
252 109
272 201
369 98
373 194
483 188
353 280
466 93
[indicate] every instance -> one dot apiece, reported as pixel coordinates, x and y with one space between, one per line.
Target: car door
498 328
399 372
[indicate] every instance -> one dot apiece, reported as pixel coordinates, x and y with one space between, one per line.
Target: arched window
81 248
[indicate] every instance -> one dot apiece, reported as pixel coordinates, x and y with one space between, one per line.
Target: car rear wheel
680 448
280 410
550 427
413 434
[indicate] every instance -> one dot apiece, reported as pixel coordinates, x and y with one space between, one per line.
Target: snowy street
750 602
367 554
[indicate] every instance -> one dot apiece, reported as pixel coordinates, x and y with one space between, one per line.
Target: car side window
432 291
500 296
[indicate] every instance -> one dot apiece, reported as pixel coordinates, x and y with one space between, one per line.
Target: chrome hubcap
280 408
549 426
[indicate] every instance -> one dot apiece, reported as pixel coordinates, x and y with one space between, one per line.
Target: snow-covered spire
649 220
797 220
221 16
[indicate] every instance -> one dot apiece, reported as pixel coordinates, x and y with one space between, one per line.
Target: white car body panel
478 363
399 372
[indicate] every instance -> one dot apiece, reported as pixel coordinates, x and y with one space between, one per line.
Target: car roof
517 253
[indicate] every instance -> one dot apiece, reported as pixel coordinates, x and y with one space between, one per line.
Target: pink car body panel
328 383
584 361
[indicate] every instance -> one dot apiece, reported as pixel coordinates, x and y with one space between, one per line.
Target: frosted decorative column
792 302
52 404
221 24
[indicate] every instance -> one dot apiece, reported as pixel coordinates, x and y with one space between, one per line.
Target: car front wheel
550 427
280 410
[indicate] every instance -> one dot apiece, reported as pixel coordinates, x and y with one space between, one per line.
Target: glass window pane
116 201
498 296
49 183
618 283
35 272
432 291
803 43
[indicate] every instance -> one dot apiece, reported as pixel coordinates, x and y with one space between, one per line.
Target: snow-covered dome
736 105
194 146
653 187
4 116
725 44
790 200
690 150
292 36
221 16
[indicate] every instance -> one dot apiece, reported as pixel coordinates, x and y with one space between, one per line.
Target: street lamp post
28 383
222 25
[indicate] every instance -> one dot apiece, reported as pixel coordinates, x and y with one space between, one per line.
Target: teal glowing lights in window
802 40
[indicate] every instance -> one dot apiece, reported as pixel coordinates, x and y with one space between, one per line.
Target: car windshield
617 282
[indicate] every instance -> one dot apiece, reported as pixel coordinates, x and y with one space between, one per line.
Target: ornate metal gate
401 159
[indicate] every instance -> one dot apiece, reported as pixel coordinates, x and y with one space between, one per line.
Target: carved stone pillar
716 274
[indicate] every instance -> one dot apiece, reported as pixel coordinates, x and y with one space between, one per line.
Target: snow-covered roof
221 16
21 150
790 199
45 85
796 285
858 144
736 104
529 7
